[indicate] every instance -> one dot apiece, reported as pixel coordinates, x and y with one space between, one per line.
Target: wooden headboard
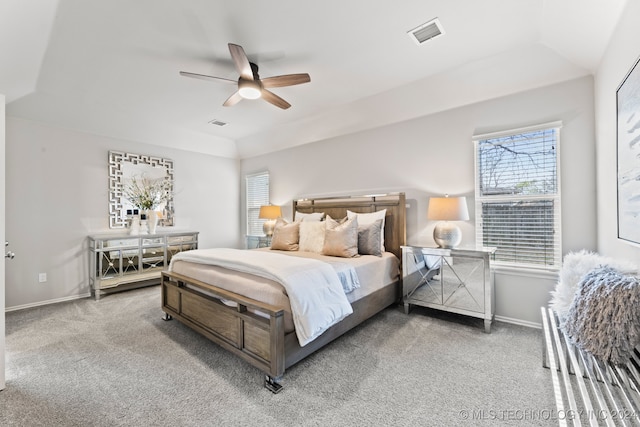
395 230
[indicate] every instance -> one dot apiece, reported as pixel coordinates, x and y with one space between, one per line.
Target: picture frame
628 155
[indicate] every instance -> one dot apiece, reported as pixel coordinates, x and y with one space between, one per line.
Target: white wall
57 186
57 194
433 155
621 55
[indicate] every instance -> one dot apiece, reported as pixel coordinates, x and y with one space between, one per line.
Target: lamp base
447 235
268 227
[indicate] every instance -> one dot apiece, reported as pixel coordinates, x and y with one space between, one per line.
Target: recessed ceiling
111 67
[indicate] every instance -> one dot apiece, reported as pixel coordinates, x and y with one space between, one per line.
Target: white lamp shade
270 212
448 209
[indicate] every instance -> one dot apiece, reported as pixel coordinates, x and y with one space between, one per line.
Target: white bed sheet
373 273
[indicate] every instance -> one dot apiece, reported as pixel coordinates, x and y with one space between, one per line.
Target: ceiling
110 67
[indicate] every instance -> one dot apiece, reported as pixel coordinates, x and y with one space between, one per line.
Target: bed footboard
261 341
258 340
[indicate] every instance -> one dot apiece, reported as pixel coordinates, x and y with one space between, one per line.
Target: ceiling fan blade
286 80
203 77
275 99
241 61
232 100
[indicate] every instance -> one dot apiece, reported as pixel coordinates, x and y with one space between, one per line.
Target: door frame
2 237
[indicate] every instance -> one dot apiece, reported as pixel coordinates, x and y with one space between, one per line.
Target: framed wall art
628 153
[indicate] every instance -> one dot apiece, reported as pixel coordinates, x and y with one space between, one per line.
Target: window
257 195
518 195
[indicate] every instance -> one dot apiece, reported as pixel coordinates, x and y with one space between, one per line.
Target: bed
261 332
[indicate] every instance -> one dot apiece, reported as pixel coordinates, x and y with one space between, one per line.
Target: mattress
373 274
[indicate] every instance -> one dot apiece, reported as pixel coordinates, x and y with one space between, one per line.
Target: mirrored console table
455 280
123 260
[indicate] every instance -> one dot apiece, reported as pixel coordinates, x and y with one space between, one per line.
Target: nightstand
254 242
456 280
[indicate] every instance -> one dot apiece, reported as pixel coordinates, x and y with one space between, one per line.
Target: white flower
147 194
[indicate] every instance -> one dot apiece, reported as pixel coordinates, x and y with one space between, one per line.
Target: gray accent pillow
368 218
341 239
285 236
369 238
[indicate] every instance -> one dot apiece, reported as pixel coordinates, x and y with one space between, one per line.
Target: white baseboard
88 294
518 322
51 301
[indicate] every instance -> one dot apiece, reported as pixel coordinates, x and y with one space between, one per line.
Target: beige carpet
116 363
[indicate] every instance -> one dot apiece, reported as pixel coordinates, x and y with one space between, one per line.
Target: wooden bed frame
262 341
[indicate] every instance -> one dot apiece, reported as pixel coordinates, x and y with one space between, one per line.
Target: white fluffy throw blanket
574 268
604 318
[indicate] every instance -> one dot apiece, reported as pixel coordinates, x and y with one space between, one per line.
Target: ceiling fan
250 86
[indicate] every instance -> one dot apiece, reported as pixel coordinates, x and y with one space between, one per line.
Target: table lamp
270 213
447 209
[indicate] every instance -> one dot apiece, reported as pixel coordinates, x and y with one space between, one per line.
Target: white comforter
315 291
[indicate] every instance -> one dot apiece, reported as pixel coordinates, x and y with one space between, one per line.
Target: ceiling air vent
427 31
217 122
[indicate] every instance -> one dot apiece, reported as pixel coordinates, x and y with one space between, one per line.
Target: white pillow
369 218
316 216
311 236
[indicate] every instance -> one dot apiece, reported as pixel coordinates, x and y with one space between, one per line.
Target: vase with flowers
147 195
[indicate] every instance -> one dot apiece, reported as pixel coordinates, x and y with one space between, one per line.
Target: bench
586 389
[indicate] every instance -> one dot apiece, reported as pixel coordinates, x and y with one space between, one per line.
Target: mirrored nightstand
455 280
254 242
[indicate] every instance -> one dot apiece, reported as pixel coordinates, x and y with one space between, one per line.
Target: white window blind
518 195
257 195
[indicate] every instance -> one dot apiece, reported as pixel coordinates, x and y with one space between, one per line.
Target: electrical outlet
42 277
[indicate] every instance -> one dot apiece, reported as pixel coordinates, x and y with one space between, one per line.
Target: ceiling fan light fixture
250 89
249 84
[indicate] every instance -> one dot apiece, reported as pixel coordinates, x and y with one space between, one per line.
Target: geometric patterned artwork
628 145
121 166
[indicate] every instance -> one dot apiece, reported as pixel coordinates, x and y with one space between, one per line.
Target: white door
2 217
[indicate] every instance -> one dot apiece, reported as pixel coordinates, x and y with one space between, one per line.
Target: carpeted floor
116 363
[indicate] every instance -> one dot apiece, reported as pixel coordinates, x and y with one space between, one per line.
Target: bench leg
545 349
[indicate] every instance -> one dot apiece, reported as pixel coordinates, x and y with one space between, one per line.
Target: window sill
551 274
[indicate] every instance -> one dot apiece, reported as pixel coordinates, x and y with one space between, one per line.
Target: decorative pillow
312 236
369 238
316 216
604 318
333 223
285 235
341 239
368 218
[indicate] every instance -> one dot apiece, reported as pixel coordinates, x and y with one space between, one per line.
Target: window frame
510 198
253 206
